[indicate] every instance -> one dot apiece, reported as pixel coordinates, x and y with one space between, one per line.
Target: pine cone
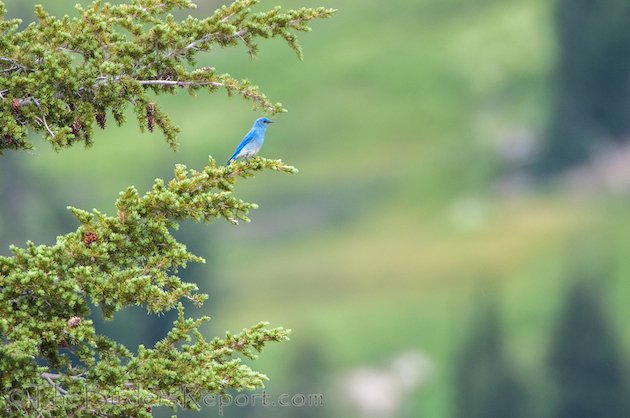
76 127
89 238
8 141
74 322
15 107
101 119
151 116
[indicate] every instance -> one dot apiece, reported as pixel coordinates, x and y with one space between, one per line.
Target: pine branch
117 261
61 73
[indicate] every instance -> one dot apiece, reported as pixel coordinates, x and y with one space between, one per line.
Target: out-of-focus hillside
405 119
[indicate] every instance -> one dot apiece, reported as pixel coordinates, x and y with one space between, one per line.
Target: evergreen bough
59 77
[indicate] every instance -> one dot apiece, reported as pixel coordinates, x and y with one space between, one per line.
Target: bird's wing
246 140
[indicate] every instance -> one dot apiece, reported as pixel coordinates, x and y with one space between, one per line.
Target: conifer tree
486 383
591 99
308 368
61 77
585 360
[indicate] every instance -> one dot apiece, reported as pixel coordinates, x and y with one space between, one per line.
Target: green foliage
60 76
117 261
585 359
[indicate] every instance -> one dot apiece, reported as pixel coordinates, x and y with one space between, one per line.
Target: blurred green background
456 242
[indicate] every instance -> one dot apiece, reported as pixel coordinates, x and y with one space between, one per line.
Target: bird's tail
233 157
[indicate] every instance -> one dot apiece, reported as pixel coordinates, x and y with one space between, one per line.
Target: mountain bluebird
252 142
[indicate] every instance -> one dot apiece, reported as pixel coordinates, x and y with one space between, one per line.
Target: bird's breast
251 148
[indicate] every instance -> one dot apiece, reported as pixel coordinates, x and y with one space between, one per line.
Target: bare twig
49 378
206 38
179 83
23 101
15 65
11 61
42 121
8 70
28 100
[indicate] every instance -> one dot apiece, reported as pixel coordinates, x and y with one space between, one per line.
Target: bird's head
262 122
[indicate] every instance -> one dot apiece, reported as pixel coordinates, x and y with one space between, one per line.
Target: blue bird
252 142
